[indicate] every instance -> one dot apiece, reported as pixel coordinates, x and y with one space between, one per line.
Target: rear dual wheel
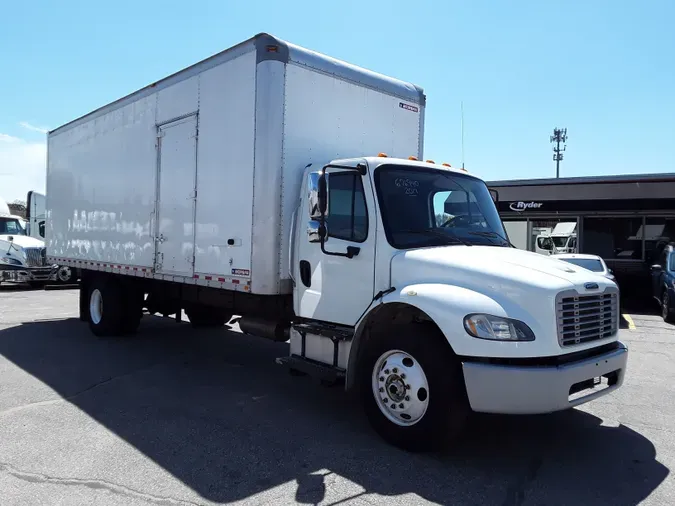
112 307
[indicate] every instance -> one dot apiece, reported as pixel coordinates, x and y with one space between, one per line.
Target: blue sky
603 69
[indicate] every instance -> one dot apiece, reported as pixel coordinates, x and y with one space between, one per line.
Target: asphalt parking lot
175 416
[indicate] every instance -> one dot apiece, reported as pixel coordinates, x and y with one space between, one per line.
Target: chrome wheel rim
400 388
96 306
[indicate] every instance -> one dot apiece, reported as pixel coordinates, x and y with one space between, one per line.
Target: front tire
414 367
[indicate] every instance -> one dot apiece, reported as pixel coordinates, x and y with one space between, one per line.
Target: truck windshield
430 207
560 242
11 226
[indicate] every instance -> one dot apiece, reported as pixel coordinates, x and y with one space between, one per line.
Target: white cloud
8 138
34 128
22 167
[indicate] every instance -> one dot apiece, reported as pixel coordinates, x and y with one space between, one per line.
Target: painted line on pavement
629 320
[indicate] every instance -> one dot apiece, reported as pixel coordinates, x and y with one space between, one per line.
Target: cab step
324 372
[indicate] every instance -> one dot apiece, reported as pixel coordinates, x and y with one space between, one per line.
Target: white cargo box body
195 178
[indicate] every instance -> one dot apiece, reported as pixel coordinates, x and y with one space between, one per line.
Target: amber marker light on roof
382 155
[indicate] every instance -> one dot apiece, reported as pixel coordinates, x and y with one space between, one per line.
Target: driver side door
331 288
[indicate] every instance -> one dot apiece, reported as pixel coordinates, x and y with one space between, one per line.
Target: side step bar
319 370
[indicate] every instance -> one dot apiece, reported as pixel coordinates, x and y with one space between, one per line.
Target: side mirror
656 268
313 195
323 195
10 238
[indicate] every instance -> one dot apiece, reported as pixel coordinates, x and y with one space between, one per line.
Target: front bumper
20 274
532 389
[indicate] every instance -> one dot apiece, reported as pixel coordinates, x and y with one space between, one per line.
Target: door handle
306 273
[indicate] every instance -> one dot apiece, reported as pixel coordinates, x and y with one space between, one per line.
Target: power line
559 136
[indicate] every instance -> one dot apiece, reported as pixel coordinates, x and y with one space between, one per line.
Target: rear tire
414 366
207 316
84 302
107 308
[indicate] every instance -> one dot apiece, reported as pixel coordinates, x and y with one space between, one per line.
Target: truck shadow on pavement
214 410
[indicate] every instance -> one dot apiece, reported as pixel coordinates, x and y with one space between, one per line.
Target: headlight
497 328
10 261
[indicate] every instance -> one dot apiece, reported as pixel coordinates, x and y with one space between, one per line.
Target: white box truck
246 185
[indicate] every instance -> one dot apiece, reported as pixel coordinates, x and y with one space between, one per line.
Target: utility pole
559 136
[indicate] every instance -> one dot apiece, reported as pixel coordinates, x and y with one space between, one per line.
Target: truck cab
404 279
22 258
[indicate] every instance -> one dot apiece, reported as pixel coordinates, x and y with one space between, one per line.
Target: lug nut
381 378
407 397
381 389
386 371
385 400
403 376
400 405
395 370
407 387
393 406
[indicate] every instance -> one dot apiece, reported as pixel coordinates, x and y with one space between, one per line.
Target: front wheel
412 388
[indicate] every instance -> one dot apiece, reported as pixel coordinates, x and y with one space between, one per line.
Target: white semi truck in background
36 218
23 259
281 185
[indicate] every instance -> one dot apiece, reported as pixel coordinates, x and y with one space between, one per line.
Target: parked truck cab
409 265
254 194
23 259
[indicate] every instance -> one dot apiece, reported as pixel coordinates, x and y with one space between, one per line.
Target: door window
347 214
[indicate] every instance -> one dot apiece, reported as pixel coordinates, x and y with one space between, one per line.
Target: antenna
559 135
462 107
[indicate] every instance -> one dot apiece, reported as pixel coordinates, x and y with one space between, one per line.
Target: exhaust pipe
269 329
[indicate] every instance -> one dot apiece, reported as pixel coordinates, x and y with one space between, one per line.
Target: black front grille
585 318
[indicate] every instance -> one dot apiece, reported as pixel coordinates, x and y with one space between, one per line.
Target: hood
508 271
22 241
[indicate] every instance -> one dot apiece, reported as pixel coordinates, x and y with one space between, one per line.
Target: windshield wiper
489 235
435 233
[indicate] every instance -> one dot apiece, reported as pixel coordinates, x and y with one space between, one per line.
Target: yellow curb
631 324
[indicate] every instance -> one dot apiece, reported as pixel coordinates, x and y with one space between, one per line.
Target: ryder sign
524 206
